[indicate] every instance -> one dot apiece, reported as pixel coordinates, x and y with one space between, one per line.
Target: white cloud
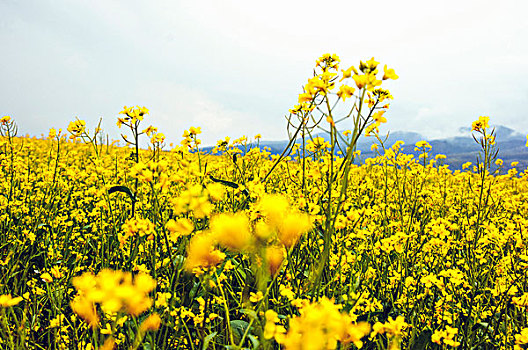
236 67
175 108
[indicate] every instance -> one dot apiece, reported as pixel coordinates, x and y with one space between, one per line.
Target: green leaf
123 189
251 313
224 182
239 328
208 339
422 341
254 341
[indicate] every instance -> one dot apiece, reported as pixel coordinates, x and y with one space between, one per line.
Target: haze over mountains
463 148
458 149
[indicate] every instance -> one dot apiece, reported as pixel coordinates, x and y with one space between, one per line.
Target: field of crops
105 247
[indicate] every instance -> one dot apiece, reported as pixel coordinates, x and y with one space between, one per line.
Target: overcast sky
236 67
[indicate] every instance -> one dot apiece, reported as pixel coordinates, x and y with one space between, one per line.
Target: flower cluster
320 325
113 291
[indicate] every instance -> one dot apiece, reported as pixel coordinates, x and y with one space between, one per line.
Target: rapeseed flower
480 124
151 323
322 325
389 73
202 253
114 291
231 231
7 301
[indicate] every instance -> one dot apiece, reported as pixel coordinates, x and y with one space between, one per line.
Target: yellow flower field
109 247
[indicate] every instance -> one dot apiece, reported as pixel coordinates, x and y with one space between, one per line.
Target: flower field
122 247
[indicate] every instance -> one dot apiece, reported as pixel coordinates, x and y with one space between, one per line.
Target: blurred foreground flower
114 291
7 301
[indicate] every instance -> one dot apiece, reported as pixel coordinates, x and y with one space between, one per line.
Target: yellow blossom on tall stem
480 124
77 128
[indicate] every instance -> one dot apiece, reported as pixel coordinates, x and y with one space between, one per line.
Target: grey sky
236 67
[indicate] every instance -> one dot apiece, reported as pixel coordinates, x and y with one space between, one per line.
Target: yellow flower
305 97
322 326
291 228
77 128
255 298
263 231
273 208
216 191
348 73
389 73
109 344
201 252
421 145
180 227
369 66
136 227
57 321
356 332
86 309
271 328
445 336
107 330
150 130
361 80
114 290
274 258
393 327
157 138
372 81
317 144
133 114
328 61
345 91
231 230
480 124
378 117
195 131
46 277
55 272
521 339
151 323
120 121
7 301
162 299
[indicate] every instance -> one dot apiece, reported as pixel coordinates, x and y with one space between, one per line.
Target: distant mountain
458 149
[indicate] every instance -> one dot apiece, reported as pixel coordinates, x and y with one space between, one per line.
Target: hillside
458 149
